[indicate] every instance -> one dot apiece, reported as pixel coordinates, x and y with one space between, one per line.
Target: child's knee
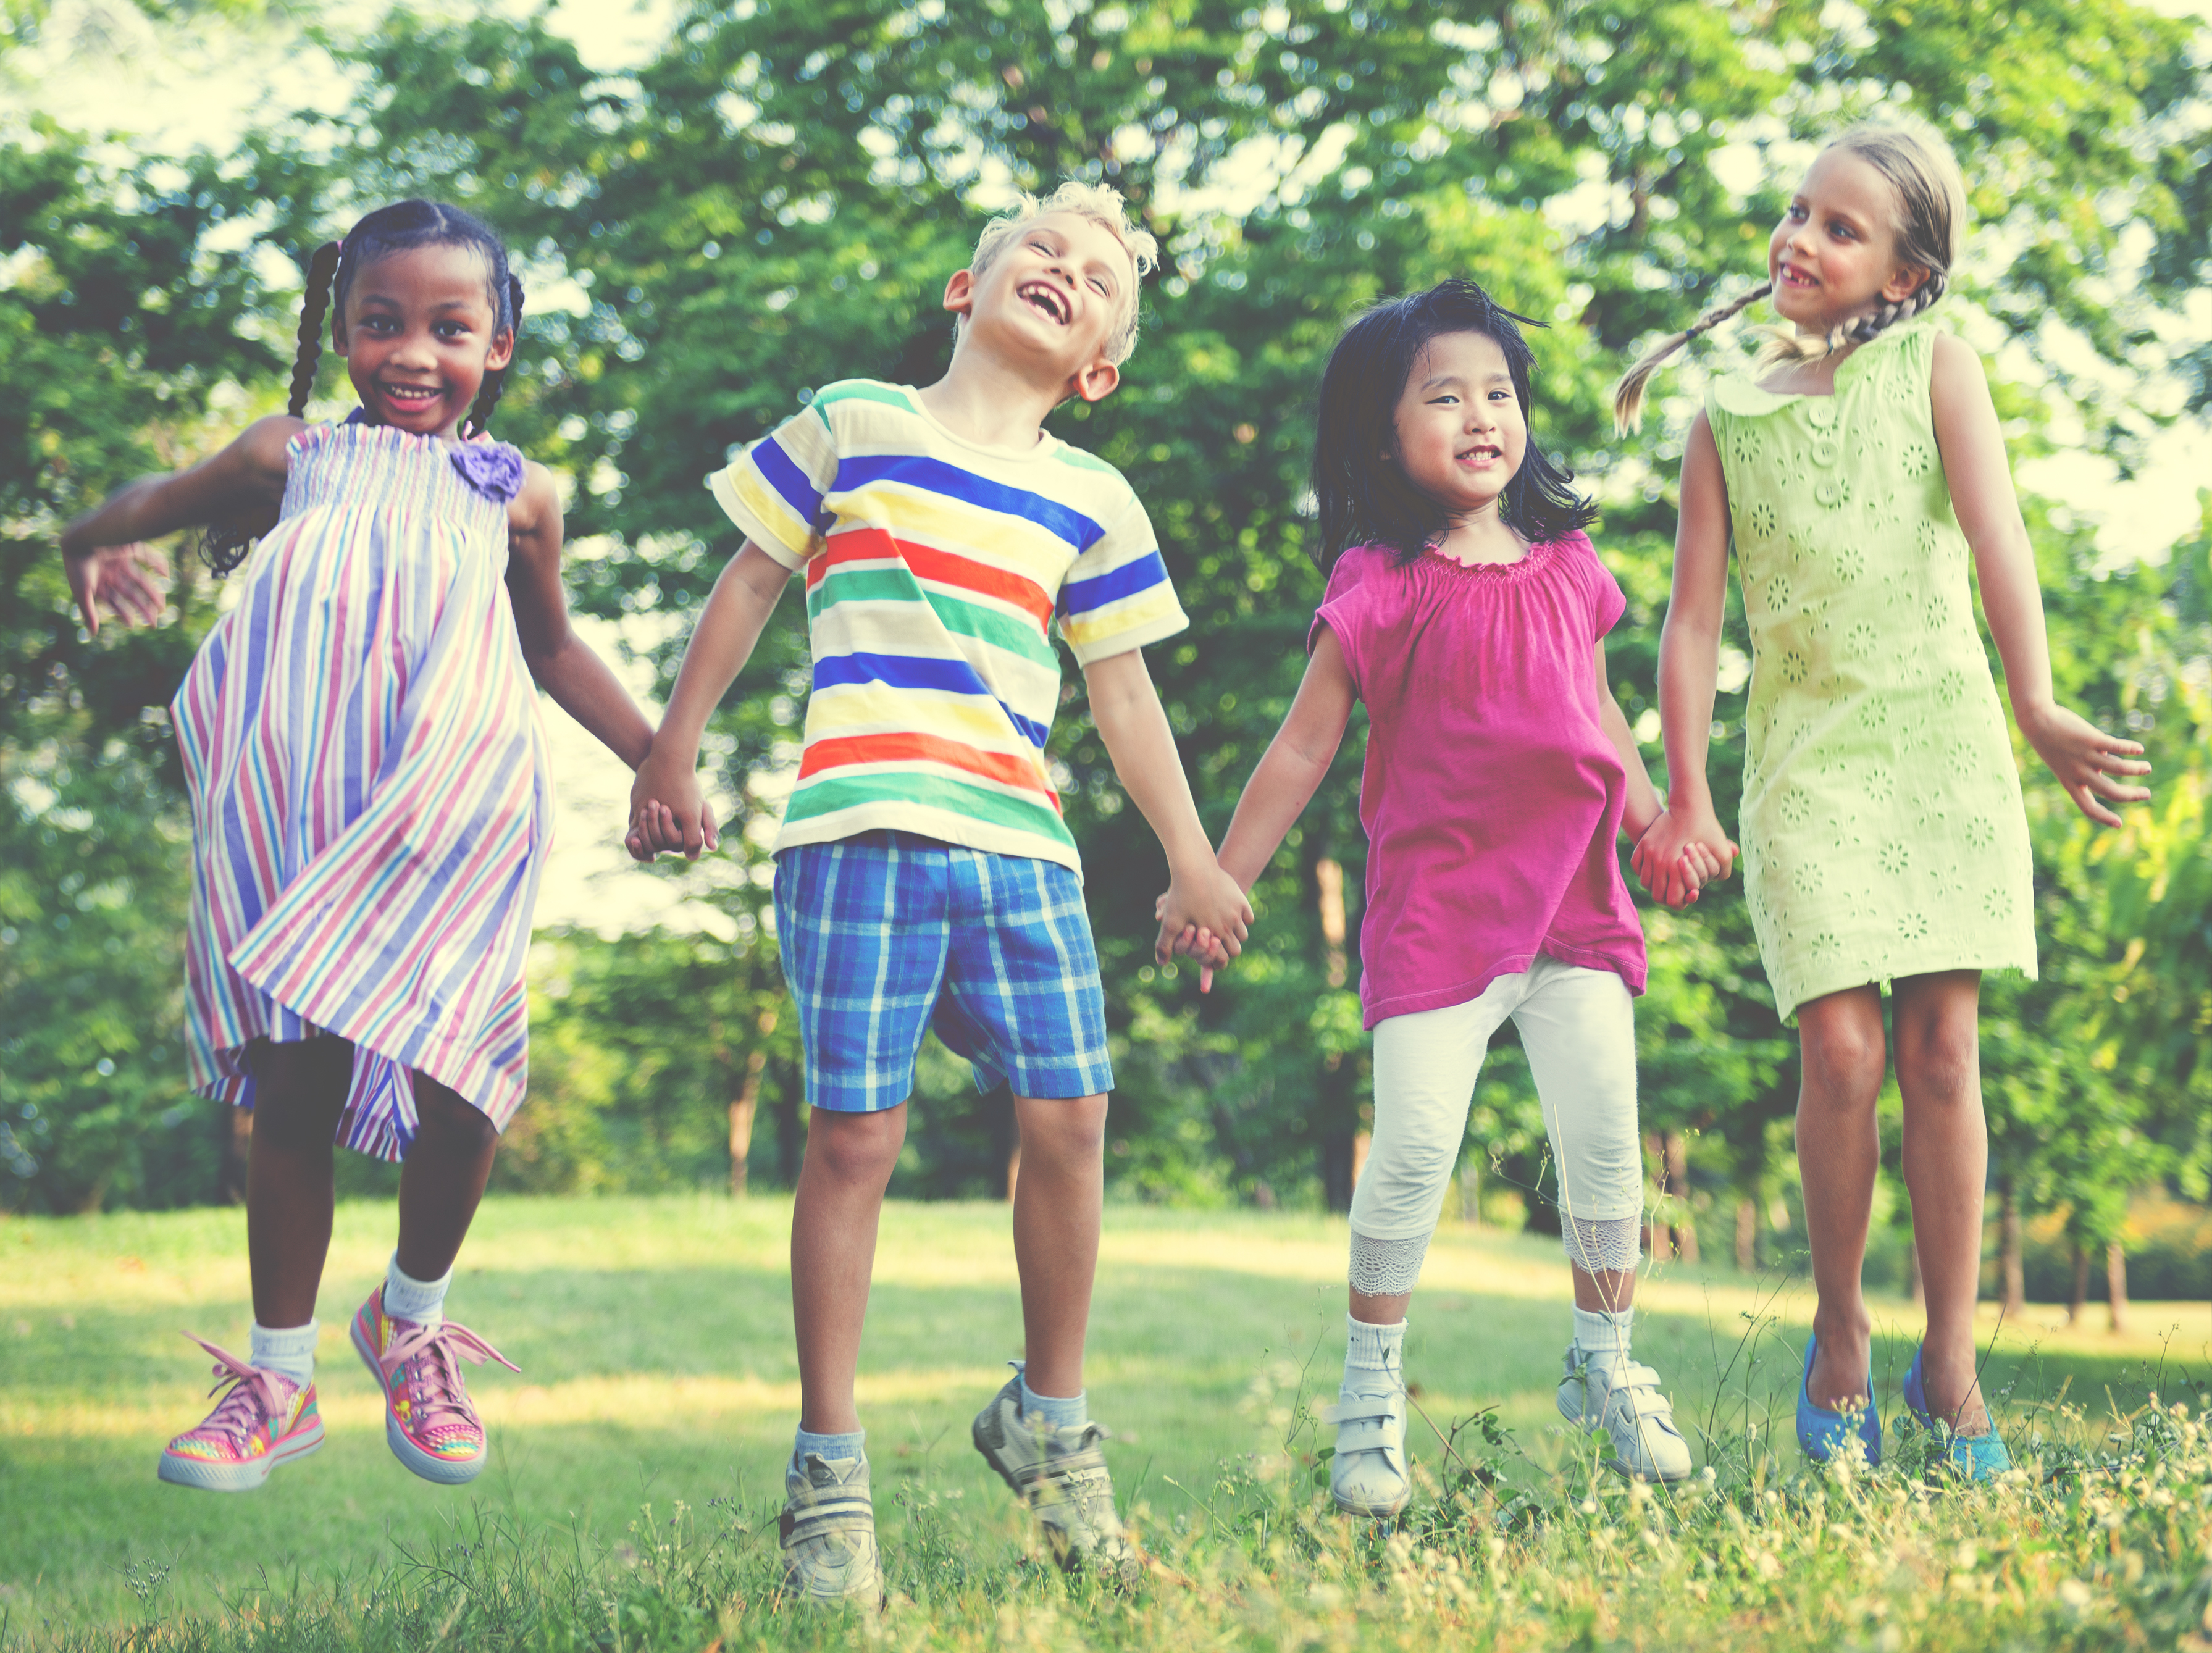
857 1148
1071 1132
1844 1060
1940 1063
451 1124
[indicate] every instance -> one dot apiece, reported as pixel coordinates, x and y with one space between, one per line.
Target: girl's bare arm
2084 757
563 664
1689 666
104 549
1293 765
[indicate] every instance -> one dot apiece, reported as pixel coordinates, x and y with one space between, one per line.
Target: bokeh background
719 208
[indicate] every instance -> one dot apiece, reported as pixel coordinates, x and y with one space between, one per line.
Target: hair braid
480 411
223 545
1904 309
1628 394
314 305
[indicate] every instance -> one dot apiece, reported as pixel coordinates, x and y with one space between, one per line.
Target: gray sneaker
828 1534
1061 1474
1624 1399
1367 1476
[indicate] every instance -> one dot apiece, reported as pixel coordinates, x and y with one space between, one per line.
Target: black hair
399 228
1364 496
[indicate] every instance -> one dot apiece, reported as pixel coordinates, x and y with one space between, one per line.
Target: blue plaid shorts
887 934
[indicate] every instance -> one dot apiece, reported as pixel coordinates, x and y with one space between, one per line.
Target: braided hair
399 228
1365 497
1931 219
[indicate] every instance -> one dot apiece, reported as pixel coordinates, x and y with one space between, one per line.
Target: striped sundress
371 807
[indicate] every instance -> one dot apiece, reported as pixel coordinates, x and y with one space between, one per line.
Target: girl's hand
667 811
1679 852
1200 945
124 577
2085 759
1208 900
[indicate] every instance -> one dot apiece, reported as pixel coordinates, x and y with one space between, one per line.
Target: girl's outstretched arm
1689 666
2086 760
104 549
1292 768
666 809
562 664
1643 808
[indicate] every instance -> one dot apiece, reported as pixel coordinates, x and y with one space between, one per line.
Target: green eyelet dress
1883 830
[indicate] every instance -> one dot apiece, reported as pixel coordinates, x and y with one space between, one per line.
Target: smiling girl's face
1834 257
419 330
1461 433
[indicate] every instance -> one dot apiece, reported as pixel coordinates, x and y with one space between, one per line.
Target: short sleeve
774 490
1343 606
1608 601
1117 596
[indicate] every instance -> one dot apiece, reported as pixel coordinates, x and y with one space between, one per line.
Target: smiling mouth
1046 301
1790 275
410 396
1482 454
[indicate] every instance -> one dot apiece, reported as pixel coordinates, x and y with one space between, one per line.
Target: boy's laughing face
1049 301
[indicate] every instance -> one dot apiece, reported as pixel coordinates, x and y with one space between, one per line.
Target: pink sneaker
427 1420
264 1420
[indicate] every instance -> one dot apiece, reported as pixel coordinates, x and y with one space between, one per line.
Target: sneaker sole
988 1445
248 1477
441 1472
1616 1462
1371 1511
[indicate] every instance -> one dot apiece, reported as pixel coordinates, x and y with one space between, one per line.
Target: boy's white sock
1068 1411
1373 1348
1603 1335
827 1448
409 1299
288 1351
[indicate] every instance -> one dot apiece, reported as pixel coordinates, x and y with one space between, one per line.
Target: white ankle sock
288 1351
409 1299
1603 1335
1373 1348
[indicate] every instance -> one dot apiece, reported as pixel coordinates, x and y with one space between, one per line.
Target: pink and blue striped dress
371 807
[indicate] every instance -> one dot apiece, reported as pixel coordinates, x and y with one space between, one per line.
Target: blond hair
1930 224
1101 204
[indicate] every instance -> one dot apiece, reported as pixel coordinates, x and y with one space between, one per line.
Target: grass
631 1498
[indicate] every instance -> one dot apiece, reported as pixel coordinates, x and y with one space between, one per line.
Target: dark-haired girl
1467 609
370 809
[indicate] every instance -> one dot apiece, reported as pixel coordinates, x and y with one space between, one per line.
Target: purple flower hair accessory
493 469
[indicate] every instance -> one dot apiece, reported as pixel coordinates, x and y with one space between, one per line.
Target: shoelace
434 1391
256 1394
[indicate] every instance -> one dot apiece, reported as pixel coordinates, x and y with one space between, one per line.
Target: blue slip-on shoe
1977 1457
1820 1432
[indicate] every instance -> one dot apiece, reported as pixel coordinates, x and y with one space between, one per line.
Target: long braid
480 411
1628 394
223 545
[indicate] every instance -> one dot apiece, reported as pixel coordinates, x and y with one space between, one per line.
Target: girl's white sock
288 1351
409 1299
1373 1348
1602 1335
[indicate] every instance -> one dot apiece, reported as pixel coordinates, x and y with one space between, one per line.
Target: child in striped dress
924 876
370 811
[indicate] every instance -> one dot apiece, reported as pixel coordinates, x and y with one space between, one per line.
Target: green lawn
654 1338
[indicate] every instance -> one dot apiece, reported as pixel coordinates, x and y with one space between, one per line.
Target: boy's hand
2085 759
667 810
1681 852
122 576
1205 899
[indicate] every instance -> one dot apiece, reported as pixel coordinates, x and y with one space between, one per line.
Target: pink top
1491 796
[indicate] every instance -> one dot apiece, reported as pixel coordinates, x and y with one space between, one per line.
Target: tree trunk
744 1106
2079 1300
2010 1267
1746 1234
1916 1288
1328 896
1654 1231
2116 1279
1470 1189
1361 1142
1336 1169
237 1154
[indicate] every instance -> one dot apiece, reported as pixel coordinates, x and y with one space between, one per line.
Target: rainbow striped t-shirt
933 568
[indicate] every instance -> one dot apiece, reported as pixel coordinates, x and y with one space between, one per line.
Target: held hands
667 811
124 577
1203 912
1681 852
2085 759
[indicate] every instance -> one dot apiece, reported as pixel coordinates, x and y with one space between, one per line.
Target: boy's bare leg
1057 1206
849 1158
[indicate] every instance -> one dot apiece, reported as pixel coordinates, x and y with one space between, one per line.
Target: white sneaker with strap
1617 1394
1367 1476
827 1531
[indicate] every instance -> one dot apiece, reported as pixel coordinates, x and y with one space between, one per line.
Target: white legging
1578 1027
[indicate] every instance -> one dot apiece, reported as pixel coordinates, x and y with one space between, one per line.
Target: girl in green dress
1884 841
